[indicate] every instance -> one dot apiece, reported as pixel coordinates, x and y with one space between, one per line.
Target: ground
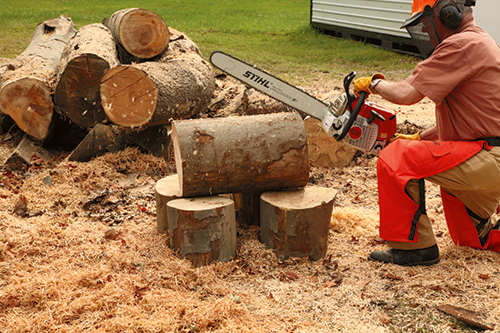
79 252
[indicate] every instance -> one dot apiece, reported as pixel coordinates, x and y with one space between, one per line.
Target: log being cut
240 154
177 86
83 63
26 87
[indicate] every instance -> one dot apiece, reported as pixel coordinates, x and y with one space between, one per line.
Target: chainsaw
353 120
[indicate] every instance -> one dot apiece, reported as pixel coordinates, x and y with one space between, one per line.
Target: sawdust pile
79 252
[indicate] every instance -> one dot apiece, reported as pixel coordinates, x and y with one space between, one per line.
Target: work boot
425 257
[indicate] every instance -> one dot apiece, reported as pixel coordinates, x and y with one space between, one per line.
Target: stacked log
246 156
85 59
83 75
177 86
26 87
140 33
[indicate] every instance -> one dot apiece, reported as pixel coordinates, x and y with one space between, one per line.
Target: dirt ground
79 252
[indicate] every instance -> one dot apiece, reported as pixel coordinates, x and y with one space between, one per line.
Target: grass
274 35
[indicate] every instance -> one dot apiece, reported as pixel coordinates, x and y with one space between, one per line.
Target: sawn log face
83 63
240 154
142 33
27 83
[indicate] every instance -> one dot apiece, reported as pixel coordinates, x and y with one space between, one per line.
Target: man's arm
429 134
398 92
404 94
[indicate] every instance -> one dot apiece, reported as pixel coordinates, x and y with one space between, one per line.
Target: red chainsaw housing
386 127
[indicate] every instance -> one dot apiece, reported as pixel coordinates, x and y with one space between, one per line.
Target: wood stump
141 33
240 154
324 150
296 223
203 230
83 63
166 189
26 86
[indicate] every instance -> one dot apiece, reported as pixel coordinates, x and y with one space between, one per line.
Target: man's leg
424 251
476 182
425 235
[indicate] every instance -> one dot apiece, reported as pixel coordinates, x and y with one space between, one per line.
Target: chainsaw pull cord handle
350 98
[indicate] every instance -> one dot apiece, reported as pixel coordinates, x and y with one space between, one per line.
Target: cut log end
128 95
166 190
77 94
177 156
29 103
143 34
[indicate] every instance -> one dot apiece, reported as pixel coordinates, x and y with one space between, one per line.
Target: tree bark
240 154
203 230
25 91
140 32
166 189
83 63
296 223
178 86
155 140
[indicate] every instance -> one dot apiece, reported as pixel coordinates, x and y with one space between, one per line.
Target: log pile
132 73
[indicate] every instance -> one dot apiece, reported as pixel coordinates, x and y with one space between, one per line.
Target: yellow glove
398 136
364 83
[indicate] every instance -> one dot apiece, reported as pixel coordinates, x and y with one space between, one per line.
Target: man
461 153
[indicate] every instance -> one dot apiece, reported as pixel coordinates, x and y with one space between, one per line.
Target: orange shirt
462 77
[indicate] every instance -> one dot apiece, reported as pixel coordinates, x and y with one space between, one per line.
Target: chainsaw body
369 132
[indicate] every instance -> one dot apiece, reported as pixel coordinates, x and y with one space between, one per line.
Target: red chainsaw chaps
462 230
404 160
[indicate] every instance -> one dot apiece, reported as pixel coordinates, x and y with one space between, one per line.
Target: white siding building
378 22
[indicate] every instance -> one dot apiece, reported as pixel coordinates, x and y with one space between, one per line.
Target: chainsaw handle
347 83
354 114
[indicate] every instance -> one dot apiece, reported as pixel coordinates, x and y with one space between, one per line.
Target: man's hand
364 84
398 136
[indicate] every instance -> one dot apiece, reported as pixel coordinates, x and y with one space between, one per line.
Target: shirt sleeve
436 77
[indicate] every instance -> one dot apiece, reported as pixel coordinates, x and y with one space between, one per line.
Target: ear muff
451 16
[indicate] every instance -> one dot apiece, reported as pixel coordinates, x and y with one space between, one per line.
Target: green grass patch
274 35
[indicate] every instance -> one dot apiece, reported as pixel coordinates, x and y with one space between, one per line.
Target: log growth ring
143 33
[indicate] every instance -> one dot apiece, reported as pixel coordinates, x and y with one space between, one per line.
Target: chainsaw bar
270 85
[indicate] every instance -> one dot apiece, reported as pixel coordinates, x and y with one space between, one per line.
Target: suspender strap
420 211
492 141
